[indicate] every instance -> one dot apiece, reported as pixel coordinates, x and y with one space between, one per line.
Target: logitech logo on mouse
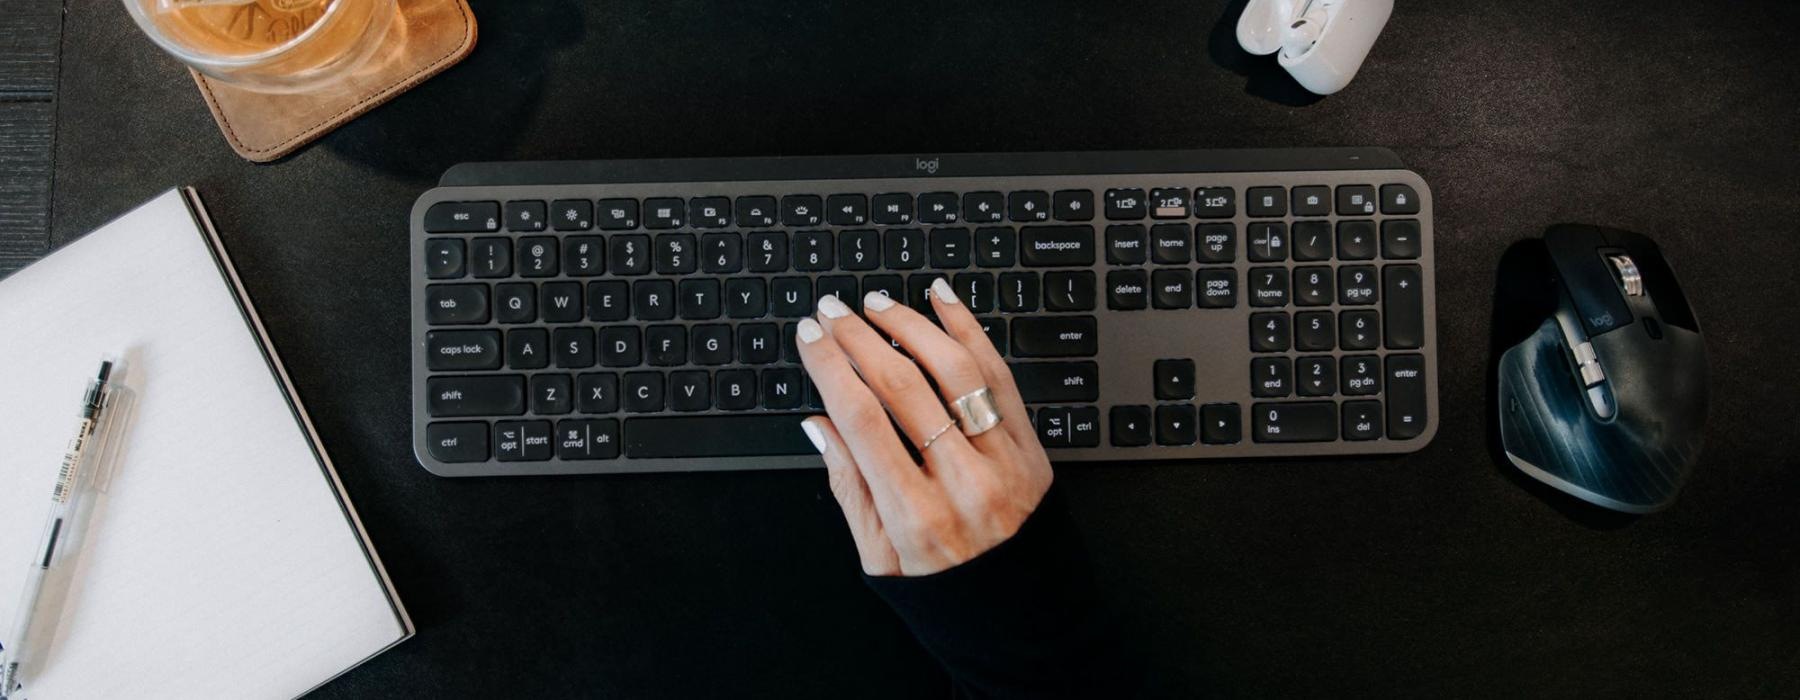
929 166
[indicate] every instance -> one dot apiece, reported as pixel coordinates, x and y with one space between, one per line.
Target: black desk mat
1440 573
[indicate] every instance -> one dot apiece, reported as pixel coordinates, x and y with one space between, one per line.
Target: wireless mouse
1604 393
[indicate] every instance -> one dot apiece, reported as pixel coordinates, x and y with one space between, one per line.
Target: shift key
1057 382
489 395
1054 336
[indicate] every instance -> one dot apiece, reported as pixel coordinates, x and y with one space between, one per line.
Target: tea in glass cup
277 46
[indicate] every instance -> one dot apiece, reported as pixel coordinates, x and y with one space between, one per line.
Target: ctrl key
522 441
457 442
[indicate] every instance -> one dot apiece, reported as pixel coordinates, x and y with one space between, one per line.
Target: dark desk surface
1434 574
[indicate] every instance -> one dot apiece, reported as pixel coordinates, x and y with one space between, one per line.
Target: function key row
901 208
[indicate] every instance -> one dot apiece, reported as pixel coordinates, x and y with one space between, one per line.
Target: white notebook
223 560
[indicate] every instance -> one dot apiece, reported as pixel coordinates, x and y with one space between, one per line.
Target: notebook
223 559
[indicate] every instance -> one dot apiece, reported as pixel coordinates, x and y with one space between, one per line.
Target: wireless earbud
1321 43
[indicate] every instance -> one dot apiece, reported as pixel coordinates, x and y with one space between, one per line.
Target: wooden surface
30 33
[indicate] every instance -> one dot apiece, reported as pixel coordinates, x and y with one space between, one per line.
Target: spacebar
716 436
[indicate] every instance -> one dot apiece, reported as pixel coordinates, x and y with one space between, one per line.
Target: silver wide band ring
926 445
976 411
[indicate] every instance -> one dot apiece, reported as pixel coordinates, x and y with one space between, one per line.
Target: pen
73 479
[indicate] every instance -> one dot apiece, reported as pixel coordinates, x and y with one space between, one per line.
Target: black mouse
1602 386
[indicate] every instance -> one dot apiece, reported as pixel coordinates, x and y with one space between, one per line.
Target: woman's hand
972 492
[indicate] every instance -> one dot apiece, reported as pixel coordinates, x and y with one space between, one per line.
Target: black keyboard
613 316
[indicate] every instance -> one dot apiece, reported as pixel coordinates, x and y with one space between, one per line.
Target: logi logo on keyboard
930 167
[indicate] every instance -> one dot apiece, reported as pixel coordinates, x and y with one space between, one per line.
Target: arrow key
1130 426
1220 424
1175 424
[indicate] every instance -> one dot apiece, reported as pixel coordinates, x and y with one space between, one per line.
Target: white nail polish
941 290
833 307
876 301
815 435
809 331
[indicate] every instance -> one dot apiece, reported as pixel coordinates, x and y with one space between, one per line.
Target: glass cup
279 46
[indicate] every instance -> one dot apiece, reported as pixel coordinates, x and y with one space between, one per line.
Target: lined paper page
219 562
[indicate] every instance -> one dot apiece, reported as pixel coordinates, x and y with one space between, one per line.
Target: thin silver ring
934 436
976 411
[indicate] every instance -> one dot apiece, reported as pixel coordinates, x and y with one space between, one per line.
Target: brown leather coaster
429 36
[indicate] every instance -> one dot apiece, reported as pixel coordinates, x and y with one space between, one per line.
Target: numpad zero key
618 316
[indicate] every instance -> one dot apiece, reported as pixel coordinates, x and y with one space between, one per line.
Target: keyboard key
1314 331
572 214
755 212
1271 377
983 207
892 209
1057 382
457 442
918 293
758 343
1070 291
628 255
1215 202
1312 286
653 300
1176 425
1216 287
1170 244
976 290
522 441
1265 201
791 297
1125 205
1309 421
801 210
938 208
675 254
526 216
444 258
716 436
561 302
690 391
1169 203
1130 426
463 217
608 300
1358 330
699 299
709 212
460 351
1128 290
890 286
1362 420
486 395
583 256
527 348
1217 242
456 304
1018 291
903 249
995 328
1073 205
1356 240
1356 285
1399 199
621 346
550 394
1312 200
1053 426
597 393
587 439
1355 200
768 252
950 248
781 388
1056 246
573 347
1406 396
1055 336
996 247
721 253
515 302
1084 426
491 257
847 210
644 392
1172 289
1220 424
664 213
1400 239
1405 306
1126 244
1267 242
736 389
859 250
537 257
813 251
1361 375
618 214
1268 286
843 287
1029 206
1312 241
1269 332
1315 376
1174 379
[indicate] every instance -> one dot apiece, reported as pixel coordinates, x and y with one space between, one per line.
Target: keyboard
628 316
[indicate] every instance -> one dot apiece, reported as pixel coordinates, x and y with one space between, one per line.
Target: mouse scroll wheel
1627 272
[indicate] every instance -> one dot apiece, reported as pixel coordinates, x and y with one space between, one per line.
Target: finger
951 364
853 497
893 477
966 330
896 381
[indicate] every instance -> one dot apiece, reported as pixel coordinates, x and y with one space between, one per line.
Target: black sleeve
1020 620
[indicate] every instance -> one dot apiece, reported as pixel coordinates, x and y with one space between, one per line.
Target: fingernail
941 290
832 307
809 330
813 433
876 301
